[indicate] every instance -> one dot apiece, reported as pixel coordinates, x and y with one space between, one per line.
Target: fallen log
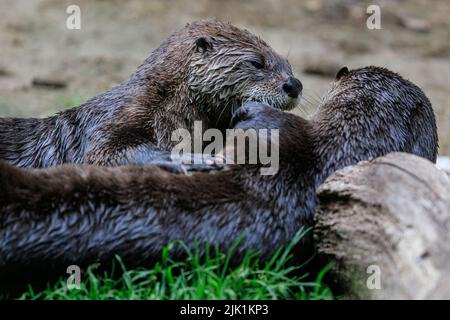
385 224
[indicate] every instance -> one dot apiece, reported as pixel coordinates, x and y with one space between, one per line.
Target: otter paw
188 169
197 158
194 162
254 115
205 167
172 167
204 163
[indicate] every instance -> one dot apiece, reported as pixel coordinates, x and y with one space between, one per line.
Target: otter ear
343 72
203 44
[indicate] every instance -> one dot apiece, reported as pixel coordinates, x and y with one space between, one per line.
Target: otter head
230 66
379 108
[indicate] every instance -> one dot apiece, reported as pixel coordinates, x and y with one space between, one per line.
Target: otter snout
293 87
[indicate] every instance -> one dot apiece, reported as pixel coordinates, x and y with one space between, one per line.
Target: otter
202 72
51 218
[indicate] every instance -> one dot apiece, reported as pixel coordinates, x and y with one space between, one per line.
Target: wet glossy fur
55 217
202 72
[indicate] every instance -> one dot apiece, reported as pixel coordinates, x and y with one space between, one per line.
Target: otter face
230 66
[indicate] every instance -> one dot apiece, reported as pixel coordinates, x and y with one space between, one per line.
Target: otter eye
256 64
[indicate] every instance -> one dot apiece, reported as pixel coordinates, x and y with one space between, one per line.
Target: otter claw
173 167
187 169
204 167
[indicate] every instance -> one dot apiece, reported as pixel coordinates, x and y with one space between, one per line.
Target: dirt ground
116 36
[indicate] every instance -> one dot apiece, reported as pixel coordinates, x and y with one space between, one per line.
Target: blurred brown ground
316 35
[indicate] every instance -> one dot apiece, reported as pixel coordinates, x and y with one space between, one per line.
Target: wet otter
202 72
51 218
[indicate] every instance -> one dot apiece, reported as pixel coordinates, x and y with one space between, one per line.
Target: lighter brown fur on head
234 66
202 72
215 67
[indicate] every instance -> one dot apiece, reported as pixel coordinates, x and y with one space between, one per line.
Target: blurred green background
317 36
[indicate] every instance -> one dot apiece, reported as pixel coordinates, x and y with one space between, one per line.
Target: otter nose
293 87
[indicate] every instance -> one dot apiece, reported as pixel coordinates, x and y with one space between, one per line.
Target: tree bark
385 224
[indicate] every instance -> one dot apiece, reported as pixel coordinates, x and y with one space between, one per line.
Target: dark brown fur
202 72
55 217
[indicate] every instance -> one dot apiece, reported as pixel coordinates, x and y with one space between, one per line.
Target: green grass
207 277
72 100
